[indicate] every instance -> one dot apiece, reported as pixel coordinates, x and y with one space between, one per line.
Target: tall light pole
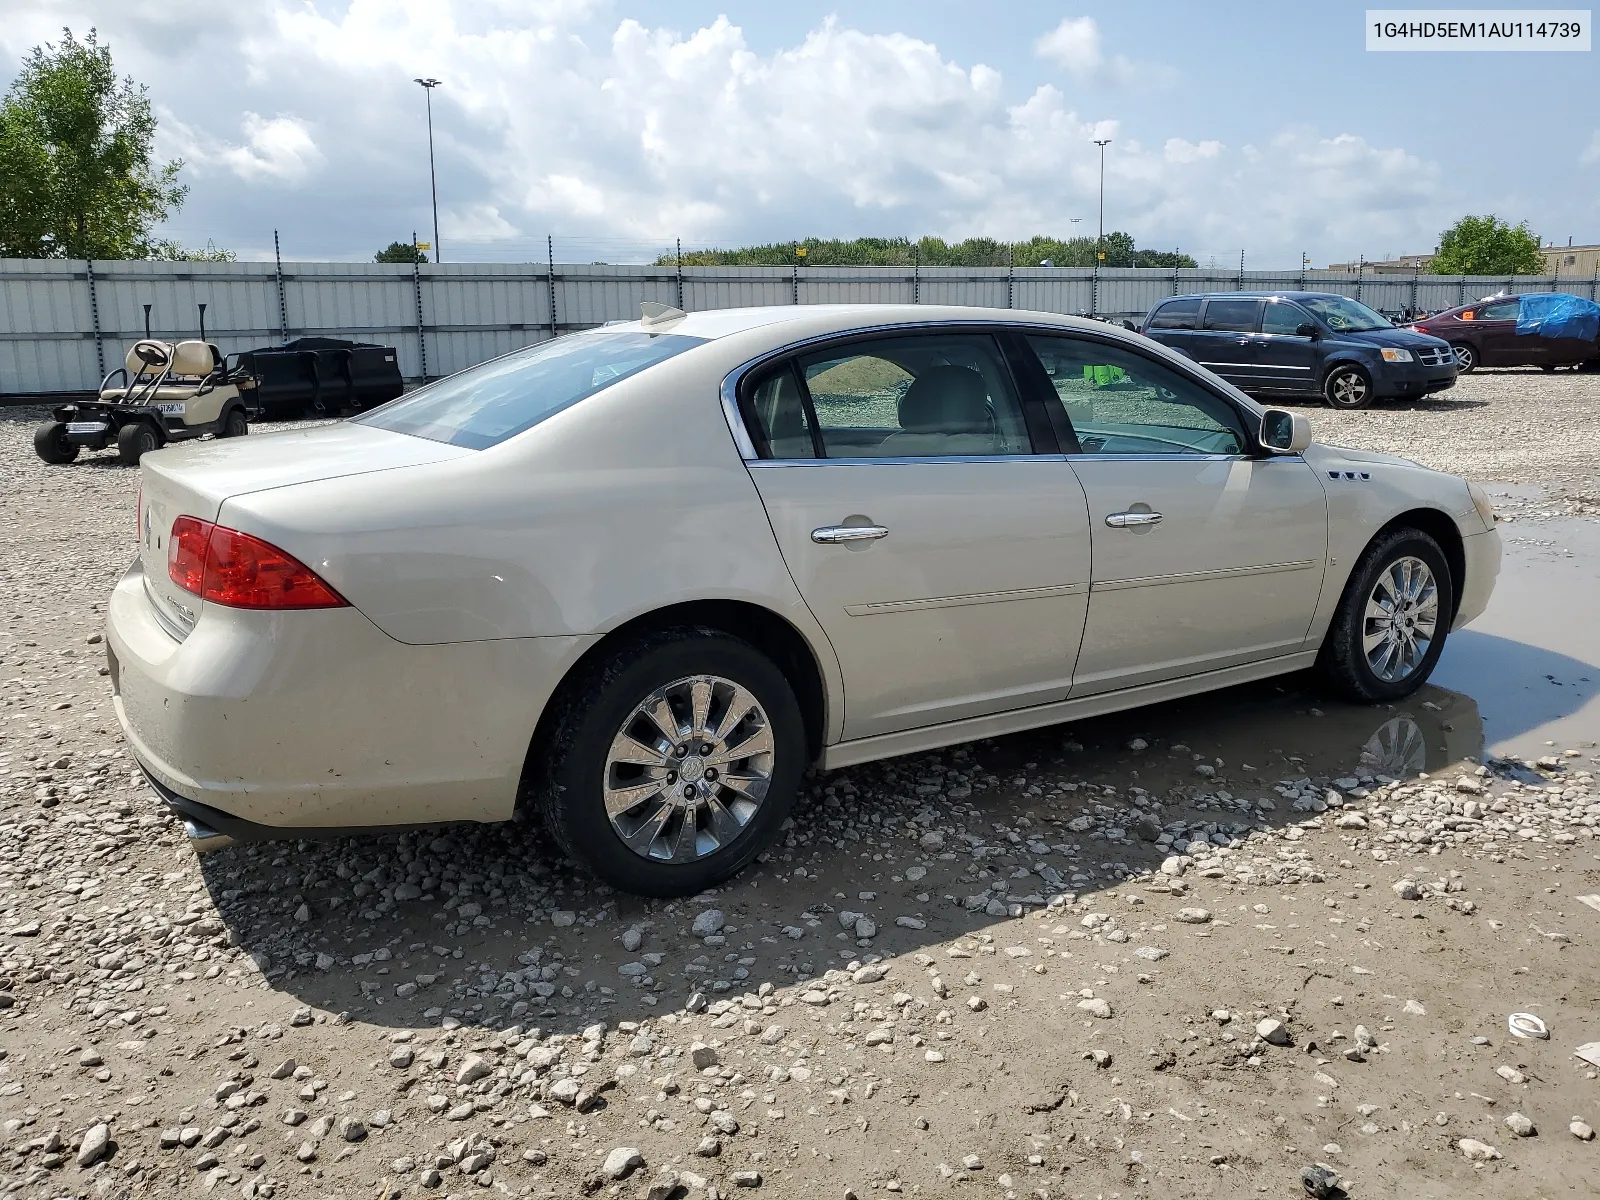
433 179
1100 241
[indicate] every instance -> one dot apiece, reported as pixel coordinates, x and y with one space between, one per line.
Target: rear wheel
1391 623
673 762
234 423
50 443
1466 357
1348 386
136 440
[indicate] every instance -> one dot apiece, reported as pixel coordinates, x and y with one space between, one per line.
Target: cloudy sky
617 125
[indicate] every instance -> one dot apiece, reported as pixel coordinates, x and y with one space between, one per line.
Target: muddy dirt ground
1185 951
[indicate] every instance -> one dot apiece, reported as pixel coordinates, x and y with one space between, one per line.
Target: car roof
1283 295
804 320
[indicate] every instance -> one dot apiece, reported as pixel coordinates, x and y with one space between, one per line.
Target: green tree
78 179
1487 246
400 252
166 251
933 252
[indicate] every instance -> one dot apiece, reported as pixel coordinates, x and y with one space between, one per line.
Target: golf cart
168 393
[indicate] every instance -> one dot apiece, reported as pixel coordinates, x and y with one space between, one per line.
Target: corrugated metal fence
64 324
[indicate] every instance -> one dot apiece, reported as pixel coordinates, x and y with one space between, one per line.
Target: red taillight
186 553
224 566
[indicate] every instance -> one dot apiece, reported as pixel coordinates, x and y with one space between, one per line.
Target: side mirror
1285 432
1307 330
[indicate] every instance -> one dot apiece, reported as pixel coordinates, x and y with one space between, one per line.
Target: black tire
1546 367
135 440
1348 386
50 443
234 423
1343 661
1466 357
568 770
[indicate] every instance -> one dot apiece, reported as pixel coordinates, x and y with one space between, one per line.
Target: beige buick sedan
640 578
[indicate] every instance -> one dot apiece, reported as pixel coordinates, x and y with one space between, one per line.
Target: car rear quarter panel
634 500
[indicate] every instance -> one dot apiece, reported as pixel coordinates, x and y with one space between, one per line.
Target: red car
1484 334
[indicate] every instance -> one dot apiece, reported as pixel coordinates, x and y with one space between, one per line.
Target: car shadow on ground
490 926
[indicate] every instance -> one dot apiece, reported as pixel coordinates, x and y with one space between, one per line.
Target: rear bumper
263 724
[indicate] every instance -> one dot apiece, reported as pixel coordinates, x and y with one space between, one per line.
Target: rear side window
1501 310
927 396
1176 314
484 405
1232 316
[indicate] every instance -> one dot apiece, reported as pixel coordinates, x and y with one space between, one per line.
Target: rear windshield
484 405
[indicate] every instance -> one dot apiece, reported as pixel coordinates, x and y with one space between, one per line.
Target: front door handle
1126 520
836 535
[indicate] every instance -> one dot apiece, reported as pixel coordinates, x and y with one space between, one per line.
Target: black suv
1303 343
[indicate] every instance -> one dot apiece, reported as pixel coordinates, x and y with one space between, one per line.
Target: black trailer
317 376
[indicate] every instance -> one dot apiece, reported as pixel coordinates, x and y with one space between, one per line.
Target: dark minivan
1303 343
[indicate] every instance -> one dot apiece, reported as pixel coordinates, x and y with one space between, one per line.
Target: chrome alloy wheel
688 769
1402 614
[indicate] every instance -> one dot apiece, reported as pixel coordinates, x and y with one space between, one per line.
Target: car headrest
148 355
194 358
946 399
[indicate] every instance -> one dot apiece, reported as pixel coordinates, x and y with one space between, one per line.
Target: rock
972 1162
1137 744
707 922
632 939
871 973
462 1111
472 1069
1273 1032
1510 1074
563 917
663 1186
724 1121
1520 1125
1147 829
1581 1130
746 1179
352 1130
1151 953
703 1056
1415 1009
284 1069
1475 1151
400 1057
96 1145
565 1090
772 1035
866 929
910 922
622 1162
1406 889
709 1147
306 1152
1192 916
1175 864
1096 1007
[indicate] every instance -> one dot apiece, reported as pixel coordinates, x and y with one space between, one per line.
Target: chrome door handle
1124 520
834 535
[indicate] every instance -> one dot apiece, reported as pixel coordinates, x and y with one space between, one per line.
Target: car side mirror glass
1285 432
1306 330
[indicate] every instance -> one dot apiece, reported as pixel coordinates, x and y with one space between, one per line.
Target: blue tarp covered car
1558 315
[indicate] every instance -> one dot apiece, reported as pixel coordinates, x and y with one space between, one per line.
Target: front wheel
50 443
1466 357
136 440
1348 387
1391 623
673 762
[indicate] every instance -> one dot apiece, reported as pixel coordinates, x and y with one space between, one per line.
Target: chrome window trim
918 461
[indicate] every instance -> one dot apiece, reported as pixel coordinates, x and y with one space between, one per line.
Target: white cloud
275 149
1074 44
1591 152
549 120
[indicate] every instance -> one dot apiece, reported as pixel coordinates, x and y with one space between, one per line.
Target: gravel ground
1188 951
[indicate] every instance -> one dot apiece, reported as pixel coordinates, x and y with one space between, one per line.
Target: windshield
484 405
1343 315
